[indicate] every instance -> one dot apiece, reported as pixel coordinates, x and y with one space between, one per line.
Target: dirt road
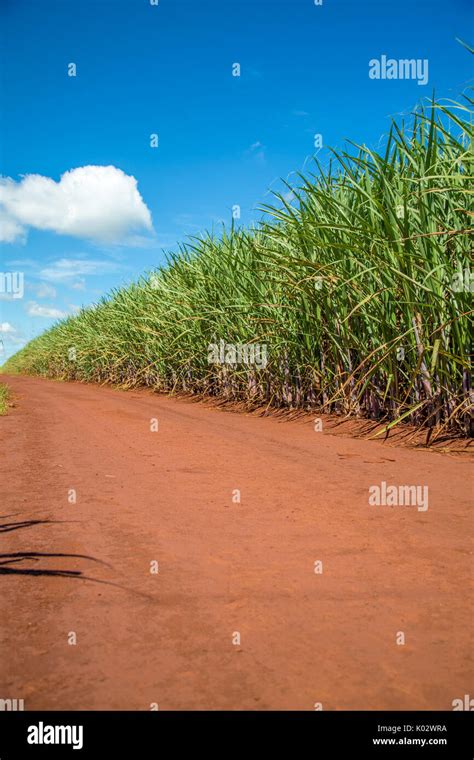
321 587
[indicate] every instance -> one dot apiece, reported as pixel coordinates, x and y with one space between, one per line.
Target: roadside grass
4 398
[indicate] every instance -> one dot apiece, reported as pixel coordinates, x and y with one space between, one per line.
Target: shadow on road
14 558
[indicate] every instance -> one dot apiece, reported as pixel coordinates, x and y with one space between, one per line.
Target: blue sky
223 140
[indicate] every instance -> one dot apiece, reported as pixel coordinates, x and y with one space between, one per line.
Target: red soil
224 567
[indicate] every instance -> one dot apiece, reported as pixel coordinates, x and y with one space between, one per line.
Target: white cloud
44 291
28 263
69 269
11 339
33 309
98 203
6 327
10 229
